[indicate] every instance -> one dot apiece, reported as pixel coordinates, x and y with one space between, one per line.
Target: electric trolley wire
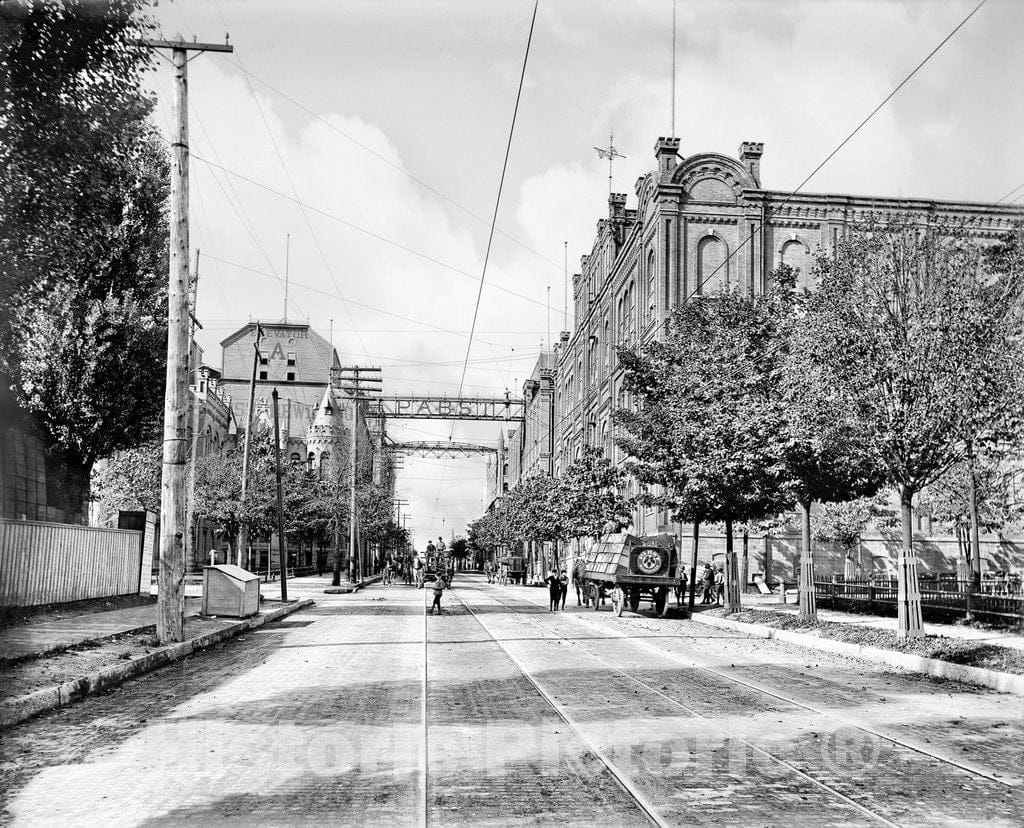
365 231
1015 189
847 139
494 221
395 166
413 320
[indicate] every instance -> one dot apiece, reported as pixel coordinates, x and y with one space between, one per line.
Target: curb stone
934 667
50 698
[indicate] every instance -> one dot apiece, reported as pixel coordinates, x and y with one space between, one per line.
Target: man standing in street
417 571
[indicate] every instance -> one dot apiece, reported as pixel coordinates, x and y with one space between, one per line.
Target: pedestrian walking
680 588
577 582
551 579
707 581
563 586
719 587
439 587
386 573
417 571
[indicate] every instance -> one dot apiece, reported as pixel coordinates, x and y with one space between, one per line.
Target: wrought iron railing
942 599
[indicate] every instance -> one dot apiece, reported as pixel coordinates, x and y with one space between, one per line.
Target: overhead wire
398 167
844 142
367 232
494 220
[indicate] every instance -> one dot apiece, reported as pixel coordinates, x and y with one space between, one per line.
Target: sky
388 121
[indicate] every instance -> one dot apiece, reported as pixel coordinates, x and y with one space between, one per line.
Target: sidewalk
42 637
1001 638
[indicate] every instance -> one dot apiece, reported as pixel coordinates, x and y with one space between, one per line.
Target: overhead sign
448 408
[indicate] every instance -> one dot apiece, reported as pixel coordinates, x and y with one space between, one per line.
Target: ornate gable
711 177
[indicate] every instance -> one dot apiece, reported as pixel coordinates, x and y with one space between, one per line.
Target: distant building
294 359
315 419
691 215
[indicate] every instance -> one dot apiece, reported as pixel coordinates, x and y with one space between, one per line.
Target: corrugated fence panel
47 563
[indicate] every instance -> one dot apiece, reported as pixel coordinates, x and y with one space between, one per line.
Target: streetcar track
424 757
851 723
723 730
621 779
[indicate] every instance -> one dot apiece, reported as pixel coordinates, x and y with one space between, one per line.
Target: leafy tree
922 351
844 523
129 480
827 454
589 500
494 530
83 232
709 427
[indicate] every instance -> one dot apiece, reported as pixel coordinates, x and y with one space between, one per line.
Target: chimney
616 206
750 157
666 150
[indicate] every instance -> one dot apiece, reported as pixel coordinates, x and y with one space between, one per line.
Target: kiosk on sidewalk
230 590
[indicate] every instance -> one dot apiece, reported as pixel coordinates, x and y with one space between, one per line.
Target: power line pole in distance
361 388
282 539
171 580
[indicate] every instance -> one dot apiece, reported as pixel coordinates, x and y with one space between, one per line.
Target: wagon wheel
618 601
595 596
634 599
661 602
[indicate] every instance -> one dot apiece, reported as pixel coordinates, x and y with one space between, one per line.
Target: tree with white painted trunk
921 345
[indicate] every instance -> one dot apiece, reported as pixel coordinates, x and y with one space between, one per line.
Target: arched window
652 289
310 460
711 256
795 255
631 292
296 458
324 460
607 346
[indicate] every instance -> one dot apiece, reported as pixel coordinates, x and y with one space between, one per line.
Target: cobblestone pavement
572 718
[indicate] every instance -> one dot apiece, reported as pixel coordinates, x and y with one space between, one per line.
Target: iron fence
942 600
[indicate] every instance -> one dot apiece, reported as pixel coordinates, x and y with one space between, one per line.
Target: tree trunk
972 504
336 574
732 574
808 604
745 566
908 594
693 563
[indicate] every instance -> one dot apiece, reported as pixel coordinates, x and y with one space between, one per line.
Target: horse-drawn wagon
629 570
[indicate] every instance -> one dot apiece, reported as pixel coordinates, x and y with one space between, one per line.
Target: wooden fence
48 563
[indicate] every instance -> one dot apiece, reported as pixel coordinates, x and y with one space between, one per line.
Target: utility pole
360 387
191 535
170 582
282 539
243 532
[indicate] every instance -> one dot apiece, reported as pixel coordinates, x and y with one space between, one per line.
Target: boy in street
439 587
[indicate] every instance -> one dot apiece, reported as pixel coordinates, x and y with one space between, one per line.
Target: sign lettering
446 408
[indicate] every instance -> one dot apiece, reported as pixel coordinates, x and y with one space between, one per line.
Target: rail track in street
645 804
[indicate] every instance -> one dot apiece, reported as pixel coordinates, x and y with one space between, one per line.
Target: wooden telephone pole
171 580
360 387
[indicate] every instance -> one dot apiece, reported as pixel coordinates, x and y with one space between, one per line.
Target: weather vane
611 154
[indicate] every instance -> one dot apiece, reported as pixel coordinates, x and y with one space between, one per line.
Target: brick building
295 359
690 216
